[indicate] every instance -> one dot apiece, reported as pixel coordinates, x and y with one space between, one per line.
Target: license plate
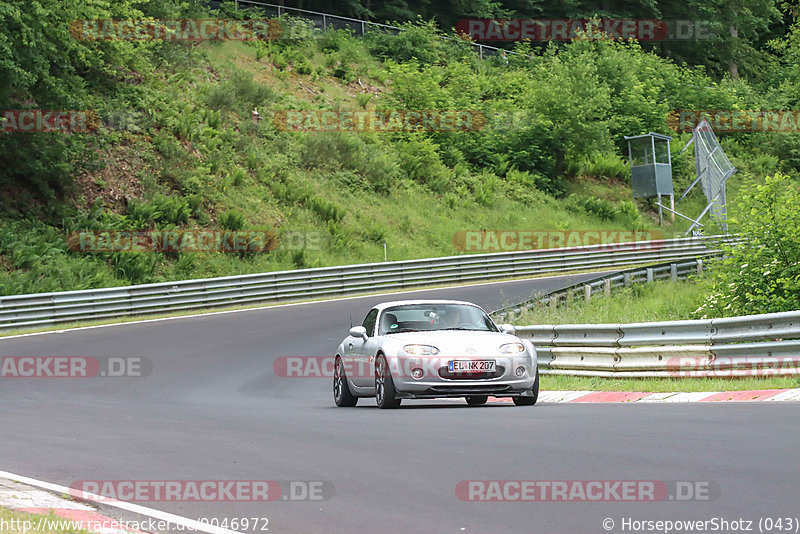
471 366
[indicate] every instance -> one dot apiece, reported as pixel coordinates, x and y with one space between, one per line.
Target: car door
360 371
367 359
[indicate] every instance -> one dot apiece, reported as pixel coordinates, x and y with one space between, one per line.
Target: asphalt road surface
213 409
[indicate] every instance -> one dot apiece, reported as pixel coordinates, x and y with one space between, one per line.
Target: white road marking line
13 496
130 507
658 397
561 396
693 396
671 396
788 395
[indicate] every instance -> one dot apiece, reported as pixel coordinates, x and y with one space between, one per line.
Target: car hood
457 342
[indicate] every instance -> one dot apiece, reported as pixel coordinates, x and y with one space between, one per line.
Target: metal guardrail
753 345
42 309
326 20
605 285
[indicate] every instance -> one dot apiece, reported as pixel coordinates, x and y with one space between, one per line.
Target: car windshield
427 317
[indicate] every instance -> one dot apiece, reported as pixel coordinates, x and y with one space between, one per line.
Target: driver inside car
452 319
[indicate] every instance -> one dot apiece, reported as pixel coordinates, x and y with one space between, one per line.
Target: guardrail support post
607 287
649 274
553 301
699 265
587 292
324 23
673 271
626 279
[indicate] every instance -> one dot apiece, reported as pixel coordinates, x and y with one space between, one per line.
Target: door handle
350 346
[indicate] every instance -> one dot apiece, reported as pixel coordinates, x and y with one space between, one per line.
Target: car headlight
421 350
512 348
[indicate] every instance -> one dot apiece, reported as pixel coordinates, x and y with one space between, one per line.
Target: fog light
520 371
416 373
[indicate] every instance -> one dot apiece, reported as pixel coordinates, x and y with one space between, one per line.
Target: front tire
530 401
477 400
342 395
384 385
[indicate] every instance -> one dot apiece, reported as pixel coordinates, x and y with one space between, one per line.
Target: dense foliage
762 274
735 35
177 147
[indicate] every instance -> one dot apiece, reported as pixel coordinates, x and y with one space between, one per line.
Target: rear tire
384 385
477 400
342 395
530 401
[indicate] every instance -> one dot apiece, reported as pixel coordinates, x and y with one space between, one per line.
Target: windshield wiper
403 330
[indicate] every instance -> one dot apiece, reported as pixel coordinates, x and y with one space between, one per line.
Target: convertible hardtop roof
389 304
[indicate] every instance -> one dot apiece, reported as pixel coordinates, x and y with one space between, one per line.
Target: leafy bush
171 209
374 162
419 41
137 267
240 92
232 220
762 273
629 214
238 176
140 215
599 207
604 165
485 190
326 210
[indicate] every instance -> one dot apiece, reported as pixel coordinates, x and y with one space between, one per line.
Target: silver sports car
424 349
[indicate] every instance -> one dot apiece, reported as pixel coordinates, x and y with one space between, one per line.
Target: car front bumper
438 382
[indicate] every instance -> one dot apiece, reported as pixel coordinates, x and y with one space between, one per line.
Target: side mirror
508 329
359 332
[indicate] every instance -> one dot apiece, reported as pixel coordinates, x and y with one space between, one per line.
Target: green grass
658 301
24 523
665 385
202 145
